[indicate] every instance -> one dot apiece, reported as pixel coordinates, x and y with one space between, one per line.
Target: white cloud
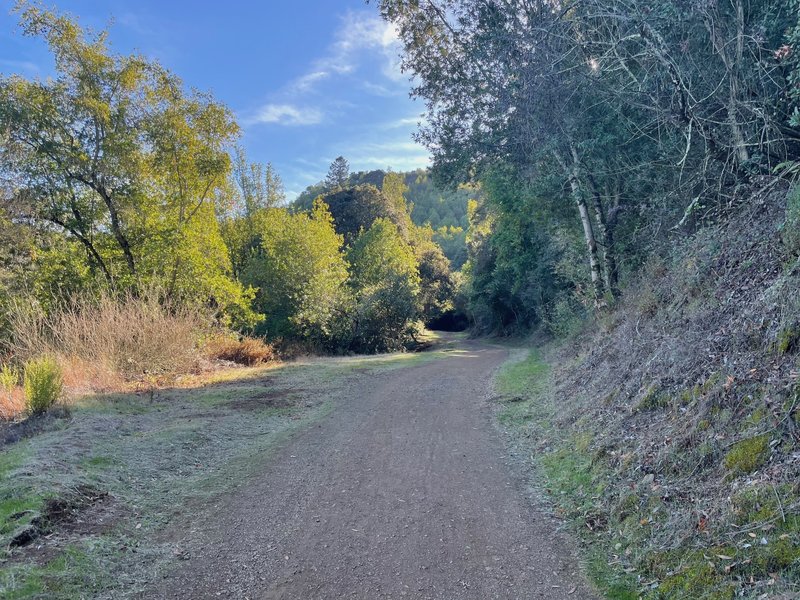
400 155
358 34
287 114
405 122
306 82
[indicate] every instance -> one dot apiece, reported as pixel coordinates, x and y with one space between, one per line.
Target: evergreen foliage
619 122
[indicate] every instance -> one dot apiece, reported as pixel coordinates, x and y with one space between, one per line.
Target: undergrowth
668 432
644 533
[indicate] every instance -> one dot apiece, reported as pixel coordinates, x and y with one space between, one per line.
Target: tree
437 288
684 100
386 284
116 155
357 208
257 186
338 174
300 273
251 189
395 189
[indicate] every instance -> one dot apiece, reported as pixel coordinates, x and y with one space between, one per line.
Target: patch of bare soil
404 490
85 512
14 431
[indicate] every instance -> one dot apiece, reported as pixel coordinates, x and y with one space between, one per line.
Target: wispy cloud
359 34
400 155
405 122
287 114
360 37
19 66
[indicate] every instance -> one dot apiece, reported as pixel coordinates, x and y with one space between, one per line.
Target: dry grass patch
99 341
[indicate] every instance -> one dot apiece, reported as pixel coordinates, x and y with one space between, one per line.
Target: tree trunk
93 253
573 173
606 234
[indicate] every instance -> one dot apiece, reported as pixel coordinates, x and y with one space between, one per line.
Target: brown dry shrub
246 351
129 337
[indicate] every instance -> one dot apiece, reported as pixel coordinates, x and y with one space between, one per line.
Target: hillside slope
671 434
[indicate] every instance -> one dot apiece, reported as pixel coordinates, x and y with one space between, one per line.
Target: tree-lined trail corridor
403 491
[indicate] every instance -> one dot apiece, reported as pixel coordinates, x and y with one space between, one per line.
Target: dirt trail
401 492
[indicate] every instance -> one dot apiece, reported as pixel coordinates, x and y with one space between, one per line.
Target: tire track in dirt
401 492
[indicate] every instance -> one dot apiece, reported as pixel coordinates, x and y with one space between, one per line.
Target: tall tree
338 174
386 283
258 185
300 273
117 155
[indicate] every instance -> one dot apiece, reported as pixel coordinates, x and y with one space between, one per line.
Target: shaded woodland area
601 132
638 163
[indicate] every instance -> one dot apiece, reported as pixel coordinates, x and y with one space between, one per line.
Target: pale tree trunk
606 234
573 172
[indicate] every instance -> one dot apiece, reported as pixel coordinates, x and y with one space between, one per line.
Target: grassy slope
625 526
154 459
561 464
669 435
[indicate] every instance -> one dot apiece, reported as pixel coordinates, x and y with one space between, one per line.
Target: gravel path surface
403 491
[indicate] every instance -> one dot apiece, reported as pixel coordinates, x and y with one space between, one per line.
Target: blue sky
308 80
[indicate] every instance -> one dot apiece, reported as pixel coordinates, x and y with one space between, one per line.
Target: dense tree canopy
299 271
386 282
621 121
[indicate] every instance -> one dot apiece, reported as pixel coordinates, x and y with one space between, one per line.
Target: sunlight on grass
565 470
189 443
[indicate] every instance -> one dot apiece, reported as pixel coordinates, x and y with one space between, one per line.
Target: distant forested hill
445 210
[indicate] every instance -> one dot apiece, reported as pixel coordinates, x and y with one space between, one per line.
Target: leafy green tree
357 208
251 188
379 251
386 284
395 189
116 155
300 273
437 287
511 277
453 242
256 186
619 100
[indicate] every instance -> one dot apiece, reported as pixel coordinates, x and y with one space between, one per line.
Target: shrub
43 384
565 317
8 378
246 351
